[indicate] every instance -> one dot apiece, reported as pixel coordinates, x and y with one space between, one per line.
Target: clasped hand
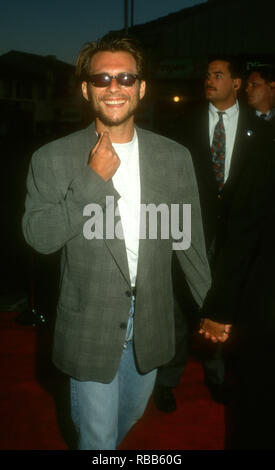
216 332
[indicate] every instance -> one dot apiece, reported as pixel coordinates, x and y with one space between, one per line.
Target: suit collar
229 112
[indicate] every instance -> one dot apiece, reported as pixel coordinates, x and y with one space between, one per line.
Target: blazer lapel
117 250
116 247
240 153
150 186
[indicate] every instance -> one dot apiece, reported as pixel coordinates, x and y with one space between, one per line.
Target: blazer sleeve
54 206
193 258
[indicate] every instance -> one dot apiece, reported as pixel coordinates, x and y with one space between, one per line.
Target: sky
62 27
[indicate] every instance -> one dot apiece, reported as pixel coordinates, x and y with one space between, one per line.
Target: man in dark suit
260 92
87 195
242 294
218 164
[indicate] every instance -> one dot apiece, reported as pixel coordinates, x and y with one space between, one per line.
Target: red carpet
33 406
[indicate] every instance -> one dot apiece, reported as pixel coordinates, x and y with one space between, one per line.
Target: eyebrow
255 81
218 71
215 72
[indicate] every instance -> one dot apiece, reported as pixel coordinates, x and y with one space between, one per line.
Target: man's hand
217 332
103 158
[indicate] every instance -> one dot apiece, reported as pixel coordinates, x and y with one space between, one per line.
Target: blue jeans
104 413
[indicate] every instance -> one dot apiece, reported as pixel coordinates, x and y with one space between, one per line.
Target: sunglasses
104 79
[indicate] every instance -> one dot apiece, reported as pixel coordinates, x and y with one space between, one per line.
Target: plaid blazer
95 295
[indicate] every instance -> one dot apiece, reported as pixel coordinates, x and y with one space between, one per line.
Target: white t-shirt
126 181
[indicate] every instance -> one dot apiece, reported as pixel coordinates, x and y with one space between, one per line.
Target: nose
208 81
113 85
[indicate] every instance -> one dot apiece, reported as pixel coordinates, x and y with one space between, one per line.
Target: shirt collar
259 113
126 143
229 112
124 150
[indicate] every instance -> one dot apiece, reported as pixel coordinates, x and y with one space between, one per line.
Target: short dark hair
235 64
111 42
267 72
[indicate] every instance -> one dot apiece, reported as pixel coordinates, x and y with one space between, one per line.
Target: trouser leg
104 413
94 409
169 375
135 390
214 367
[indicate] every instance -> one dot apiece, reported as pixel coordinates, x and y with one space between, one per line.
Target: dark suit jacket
247 146
243 281
252 141
95 293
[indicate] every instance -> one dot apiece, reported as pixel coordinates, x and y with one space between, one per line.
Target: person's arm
54 206
193 258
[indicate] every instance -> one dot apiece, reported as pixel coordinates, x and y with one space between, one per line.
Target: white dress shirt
126 181
230 121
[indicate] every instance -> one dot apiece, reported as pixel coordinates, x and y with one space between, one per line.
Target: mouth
114 102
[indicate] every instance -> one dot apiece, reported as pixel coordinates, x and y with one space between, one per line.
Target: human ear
272 87
237 83
84 88
142 89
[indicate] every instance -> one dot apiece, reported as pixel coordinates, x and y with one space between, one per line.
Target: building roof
15 63
216 26
178 15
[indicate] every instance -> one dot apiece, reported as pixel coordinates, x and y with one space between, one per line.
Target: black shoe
164 399
220 393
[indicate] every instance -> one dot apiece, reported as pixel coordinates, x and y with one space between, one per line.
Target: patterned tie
218 151
263 116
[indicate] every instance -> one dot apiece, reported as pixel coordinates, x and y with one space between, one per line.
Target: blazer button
123 326
128 293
